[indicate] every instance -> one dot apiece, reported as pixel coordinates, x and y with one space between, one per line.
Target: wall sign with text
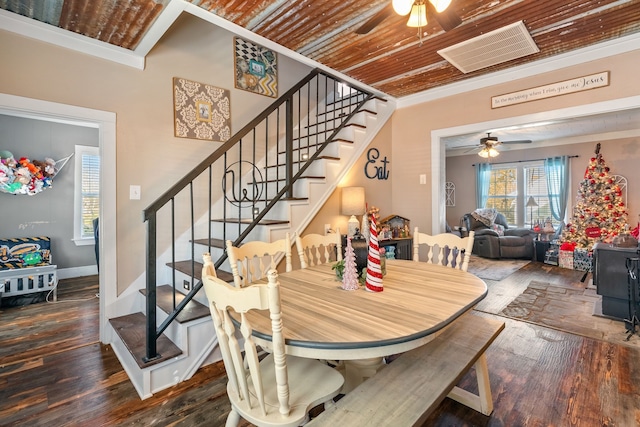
376 168
555 89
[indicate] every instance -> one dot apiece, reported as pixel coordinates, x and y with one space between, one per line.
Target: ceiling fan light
402 7
418 17
440 5
487 152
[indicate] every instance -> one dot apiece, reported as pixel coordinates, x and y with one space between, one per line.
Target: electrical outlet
186 285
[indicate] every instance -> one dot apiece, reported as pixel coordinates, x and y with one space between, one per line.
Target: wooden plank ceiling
389 58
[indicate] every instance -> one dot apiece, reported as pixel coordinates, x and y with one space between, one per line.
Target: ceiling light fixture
417 11
487 152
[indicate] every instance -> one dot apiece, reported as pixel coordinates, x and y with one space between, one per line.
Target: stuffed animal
22 175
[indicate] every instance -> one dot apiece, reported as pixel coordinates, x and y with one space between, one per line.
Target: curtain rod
524 161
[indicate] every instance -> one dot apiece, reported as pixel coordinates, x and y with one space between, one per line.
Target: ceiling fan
489 143
417 10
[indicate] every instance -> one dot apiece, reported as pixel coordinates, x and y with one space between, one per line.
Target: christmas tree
599 214
350 275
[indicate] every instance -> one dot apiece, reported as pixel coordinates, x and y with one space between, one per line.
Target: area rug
494 269
569 309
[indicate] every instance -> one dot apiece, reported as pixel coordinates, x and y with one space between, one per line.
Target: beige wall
147 152
412 126
377 191
621 155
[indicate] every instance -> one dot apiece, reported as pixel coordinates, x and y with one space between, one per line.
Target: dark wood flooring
54 372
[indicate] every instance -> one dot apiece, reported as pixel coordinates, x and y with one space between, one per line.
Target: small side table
541 247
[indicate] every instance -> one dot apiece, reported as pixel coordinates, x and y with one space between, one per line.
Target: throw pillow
486 216
498 229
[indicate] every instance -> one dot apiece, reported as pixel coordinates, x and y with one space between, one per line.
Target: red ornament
607 198
593 181
609 206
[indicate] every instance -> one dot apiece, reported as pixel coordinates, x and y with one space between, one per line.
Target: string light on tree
600 214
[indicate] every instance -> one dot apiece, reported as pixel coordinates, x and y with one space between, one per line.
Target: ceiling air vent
496 47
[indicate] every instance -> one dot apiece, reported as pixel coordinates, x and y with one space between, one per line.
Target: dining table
323 321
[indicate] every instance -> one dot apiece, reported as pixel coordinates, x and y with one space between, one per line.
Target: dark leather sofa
488 243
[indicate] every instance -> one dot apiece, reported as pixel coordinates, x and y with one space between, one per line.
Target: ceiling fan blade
521 141
375 20
476 148
447 19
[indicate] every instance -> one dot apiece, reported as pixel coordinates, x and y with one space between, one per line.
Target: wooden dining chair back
445 249
252 260
278 390
315 249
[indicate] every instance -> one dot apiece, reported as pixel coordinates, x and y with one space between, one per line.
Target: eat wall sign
376 168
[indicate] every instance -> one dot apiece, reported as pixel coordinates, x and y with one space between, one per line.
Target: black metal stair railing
235 188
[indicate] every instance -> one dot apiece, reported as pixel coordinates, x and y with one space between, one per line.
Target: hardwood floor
54 372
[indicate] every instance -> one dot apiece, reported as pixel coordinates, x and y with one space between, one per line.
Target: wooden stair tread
214 243
305 147
164 300
250 220
326 131
284 179
132 330
185 267
303 161
338 117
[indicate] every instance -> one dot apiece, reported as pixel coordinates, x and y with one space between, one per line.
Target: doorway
105 122
438 150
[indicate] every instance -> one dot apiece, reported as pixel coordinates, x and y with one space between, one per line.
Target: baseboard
68 273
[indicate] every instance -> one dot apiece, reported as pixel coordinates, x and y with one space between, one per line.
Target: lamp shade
531 202
352 204
488 152
418 17
352 200
402 7
440 5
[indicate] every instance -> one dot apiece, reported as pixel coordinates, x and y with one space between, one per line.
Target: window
509 190
87 193
503 192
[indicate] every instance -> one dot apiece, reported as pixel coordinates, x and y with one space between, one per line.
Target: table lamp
352 204
530 204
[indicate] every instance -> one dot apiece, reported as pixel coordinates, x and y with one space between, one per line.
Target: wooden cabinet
610 278
403 246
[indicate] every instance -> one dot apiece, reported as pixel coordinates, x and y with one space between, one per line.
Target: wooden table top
323 321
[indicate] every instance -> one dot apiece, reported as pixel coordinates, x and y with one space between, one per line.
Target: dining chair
256 258
315 249
445 249
280 389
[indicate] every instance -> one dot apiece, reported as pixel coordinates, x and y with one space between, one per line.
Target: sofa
495 239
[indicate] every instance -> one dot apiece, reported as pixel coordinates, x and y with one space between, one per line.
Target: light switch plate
134 192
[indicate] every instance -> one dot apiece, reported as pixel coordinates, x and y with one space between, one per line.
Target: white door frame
438 150
105 122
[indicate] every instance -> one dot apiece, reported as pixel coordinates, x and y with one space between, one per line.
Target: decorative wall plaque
201 111
256 68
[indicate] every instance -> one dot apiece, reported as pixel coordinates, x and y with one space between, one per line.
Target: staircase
269 179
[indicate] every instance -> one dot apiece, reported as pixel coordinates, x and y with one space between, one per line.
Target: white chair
314 249
256 258
278 390
444 249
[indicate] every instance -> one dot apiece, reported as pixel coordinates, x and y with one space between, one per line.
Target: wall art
201 111
256 68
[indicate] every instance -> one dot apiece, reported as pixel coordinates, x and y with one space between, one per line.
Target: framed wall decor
256 68
201 111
